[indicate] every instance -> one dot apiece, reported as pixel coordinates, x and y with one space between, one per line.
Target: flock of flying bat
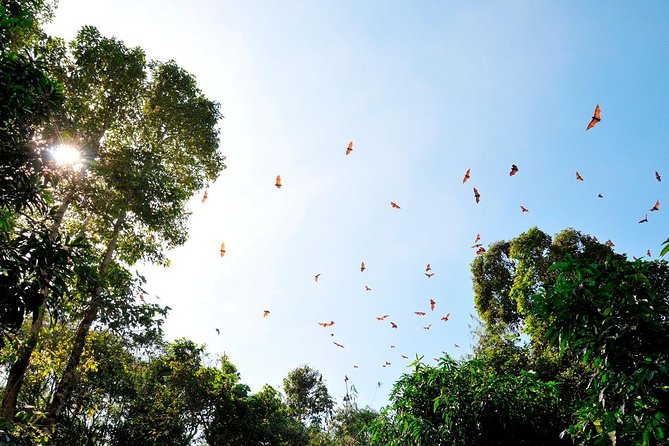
596 118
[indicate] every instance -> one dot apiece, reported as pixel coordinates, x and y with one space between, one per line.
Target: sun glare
66 155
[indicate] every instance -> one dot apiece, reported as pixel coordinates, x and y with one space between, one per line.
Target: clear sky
425 90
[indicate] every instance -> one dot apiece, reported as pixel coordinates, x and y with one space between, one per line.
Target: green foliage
615 315
307 396
469 403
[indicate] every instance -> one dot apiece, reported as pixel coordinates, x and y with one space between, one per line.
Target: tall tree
307 395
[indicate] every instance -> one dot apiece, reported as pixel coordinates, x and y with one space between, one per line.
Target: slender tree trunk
18 369
66 383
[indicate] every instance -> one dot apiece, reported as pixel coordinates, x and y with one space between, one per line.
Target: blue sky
425 91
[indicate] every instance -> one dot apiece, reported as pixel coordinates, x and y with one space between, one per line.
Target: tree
615 315
307 396
468 402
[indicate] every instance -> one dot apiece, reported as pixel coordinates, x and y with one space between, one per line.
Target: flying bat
600 196
393 324
392 346
381 318
419 313
349 149
446 318
222 249
477 196
316 277
427 327
579 177
609 243
644 220
204 197
648 253
467 176
477 239
524 209
278 182
478 245
367 288
428 267
326 324
595 119
432 304
657 176
337 344
218 332
394 205
514 170
405 357
429 275
480 251
656 207
265 313
456 345
362 266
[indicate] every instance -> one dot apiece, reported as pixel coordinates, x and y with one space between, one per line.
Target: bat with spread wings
395 205
222 249
524 209
393 324
382 318
467 176
362 267
477 239
427 327
446 318
338 344
367 288
326 324
419 313
278 182
514 170
656 207
432 304
595 118
480 251
579 177
477 196
657 176
316 277
644 220
428 267
429 275
349 149
265 313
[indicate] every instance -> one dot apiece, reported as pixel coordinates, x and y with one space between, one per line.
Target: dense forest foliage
571 346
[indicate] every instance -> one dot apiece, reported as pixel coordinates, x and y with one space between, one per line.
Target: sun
66 155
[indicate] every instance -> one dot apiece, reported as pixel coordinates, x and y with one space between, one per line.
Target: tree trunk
66 383
18 369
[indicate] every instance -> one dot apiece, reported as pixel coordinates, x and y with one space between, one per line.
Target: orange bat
141 297
467 176
326 324
337 344
477 195
393 324
432 304
381 318
222 249
648 253
427 327
316 277
656 207
265 313
367 288
394 205
429 275
428 268
644 220
278 182
478 245
514 170
657 176
609 243
349 149
204 197
405 357
419 313
595 119
362 266
446 318
579 177
480 251
478 237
